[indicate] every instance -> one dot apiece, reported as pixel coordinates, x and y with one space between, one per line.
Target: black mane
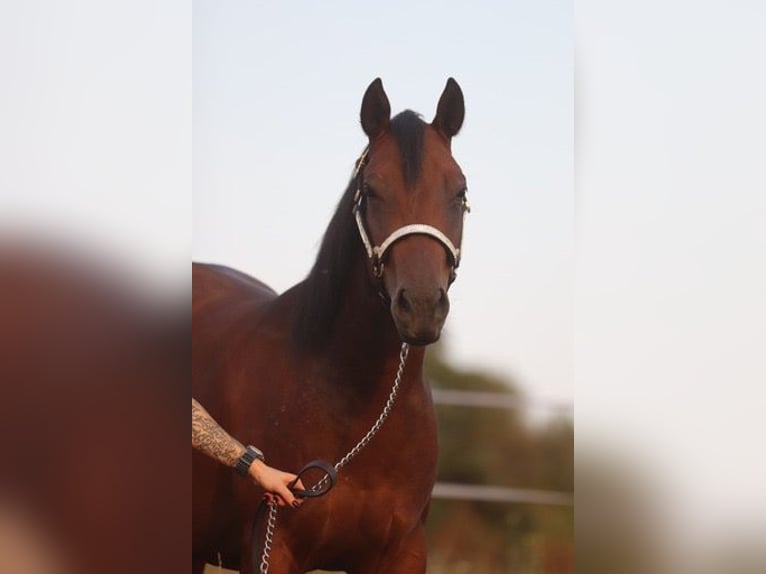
341 248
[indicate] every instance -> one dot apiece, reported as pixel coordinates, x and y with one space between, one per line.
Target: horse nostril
442 297
403 302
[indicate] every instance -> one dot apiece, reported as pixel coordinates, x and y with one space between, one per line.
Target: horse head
409 206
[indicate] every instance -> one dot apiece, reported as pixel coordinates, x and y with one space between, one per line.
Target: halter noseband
377 253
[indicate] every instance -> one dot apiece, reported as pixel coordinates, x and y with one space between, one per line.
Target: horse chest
356 521
386 490
376 518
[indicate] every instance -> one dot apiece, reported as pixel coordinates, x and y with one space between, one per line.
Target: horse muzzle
419 314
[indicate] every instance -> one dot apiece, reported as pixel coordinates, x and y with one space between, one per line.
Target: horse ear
376 111
450 111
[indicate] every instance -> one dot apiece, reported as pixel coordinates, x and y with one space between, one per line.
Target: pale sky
277 92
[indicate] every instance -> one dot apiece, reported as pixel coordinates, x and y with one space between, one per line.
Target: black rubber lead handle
321 487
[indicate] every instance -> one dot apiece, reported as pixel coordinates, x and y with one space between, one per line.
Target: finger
285 493
296 500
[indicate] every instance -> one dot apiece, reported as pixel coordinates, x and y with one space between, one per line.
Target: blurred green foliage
498 447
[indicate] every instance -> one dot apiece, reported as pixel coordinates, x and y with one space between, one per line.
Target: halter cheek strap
377 253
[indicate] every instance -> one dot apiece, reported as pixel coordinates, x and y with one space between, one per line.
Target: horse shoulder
225 304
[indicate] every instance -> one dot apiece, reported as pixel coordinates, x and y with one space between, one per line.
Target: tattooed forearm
210 438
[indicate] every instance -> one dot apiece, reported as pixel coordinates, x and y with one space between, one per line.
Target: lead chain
271 522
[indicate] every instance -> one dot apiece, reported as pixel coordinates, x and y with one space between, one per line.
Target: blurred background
95 240
504 497
670 318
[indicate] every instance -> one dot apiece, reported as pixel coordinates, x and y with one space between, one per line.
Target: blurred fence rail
455 491
486 493
494 400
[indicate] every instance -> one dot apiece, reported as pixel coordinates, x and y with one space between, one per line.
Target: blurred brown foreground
94 425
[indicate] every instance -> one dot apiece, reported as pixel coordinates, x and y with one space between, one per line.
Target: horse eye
369 192
461 201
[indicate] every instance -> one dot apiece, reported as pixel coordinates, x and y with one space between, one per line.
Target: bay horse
304 374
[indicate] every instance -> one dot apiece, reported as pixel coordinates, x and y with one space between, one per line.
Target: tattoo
210 438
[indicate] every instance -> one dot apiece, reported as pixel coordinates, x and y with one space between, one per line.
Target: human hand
275 482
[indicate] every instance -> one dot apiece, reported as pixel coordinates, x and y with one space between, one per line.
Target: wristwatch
247 458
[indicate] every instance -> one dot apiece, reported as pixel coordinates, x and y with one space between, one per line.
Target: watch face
256 452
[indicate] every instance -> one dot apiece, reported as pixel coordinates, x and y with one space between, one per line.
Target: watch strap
246 460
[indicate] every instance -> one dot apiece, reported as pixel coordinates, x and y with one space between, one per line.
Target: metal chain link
271 523
272 519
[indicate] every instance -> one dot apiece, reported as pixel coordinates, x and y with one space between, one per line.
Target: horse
303 375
